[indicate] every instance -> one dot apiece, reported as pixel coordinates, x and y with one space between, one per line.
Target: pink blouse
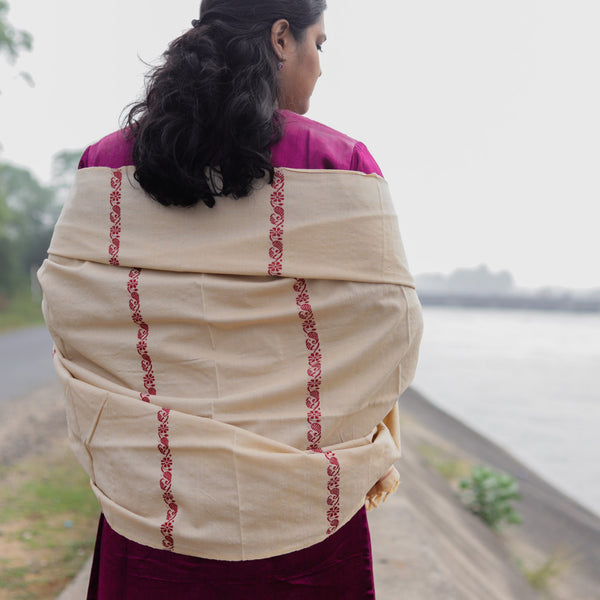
305 144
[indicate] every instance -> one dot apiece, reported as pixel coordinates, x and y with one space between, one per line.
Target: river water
529 380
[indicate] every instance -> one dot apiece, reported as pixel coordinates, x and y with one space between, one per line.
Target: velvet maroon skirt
340 567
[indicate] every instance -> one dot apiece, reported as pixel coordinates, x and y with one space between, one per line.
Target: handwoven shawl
232 374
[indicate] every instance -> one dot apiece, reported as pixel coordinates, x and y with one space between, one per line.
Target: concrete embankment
426 545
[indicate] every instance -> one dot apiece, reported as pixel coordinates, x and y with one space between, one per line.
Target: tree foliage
28 212
27 215
12 40
64 164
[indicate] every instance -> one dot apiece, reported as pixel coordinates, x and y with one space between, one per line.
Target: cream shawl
231 374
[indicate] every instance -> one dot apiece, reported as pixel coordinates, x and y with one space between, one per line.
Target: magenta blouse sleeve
113 151
83 161
363 161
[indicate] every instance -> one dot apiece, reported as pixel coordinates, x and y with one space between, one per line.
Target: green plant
542 576
489 494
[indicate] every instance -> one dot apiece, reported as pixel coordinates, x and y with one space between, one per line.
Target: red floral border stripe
277 220
313 399
142 345
333 486
313 402
166 462
115 217
166 466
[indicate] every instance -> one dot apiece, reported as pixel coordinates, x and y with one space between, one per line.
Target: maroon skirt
339 567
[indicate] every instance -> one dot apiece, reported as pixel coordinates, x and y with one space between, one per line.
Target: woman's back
280 318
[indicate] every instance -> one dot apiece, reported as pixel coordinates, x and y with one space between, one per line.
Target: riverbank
426 545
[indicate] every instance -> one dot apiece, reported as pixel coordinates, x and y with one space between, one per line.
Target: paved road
25 362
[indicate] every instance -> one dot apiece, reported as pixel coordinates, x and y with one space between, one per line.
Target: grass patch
20 311
450 468
545 574
48 520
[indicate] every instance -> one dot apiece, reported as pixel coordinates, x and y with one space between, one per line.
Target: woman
232 367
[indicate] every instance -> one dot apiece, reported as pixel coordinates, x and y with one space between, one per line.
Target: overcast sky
483 114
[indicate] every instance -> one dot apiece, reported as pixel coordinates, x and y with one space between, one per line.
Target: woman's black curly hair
209 118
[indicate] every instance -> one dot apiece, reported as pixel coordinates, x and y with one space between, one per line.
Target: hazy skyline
482 115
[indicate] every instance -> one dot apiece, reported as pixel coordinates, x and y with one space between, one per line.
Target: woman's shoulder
308 144
113 151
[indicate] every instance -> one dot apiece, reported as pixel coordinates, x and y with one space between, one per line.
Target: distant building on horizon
479 281
480 287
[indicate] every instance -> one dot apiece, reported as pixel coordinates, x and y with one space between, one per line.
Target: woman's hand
386 485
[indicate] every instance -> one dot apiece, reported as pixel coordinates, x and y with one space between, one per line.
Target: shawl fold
231 374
